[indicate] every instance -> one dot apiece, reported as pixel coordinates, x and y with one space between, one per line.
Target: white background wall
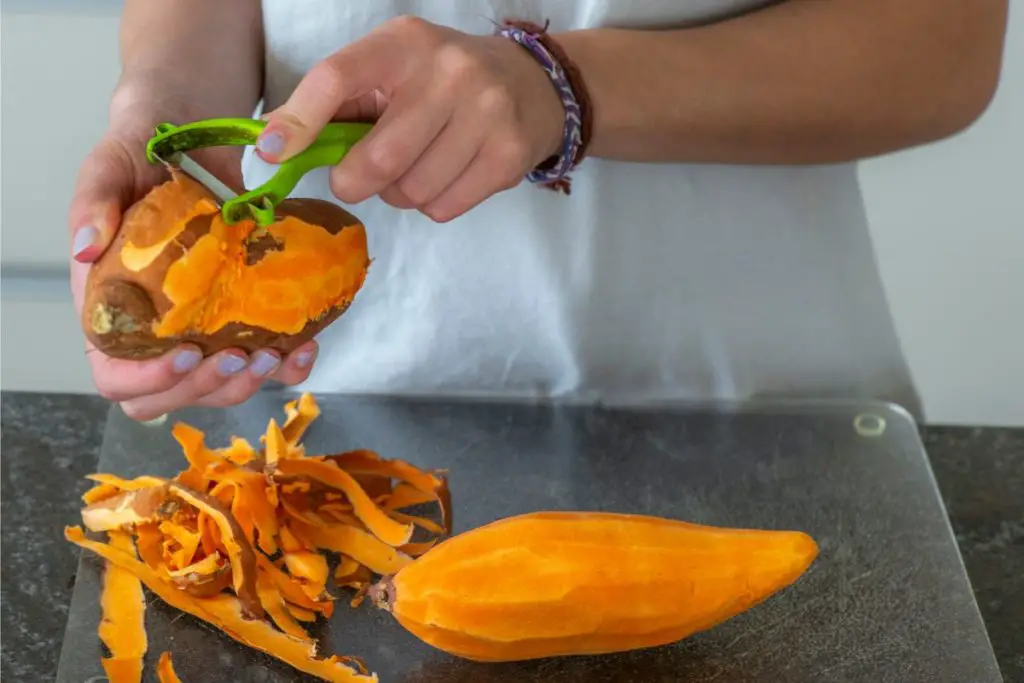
948 220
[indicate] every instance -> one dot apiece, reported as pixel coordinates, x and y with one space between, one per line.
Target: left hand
459 117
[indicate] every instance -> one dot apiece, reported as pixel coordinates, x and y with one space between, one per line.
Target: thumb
368 65
105 185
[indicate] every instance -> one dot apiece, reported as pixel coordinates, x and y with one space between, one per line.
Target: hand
113 176
459 117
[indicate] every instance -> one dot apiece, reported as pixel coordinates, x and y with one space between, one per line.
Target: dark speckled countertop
50 441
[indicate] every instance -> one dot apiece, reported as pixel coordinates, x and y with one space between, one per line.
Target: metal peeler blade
195 170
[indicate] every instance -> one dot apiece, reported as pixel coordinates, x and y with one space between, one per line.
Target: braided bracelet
554 173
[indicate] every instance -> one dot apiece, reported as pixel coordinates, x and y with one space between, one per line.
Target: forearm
804 81
184 60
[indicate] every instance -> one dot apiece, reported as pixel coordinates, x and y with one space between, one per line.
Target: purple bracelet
572 136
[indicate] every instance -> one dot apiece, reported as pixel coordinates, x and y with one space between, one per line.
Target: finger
297 365
295 368
78 277
494 169
394 196
367 107
211 375
370 64
215 381
122 380
104 186
243 385
439 166
410 123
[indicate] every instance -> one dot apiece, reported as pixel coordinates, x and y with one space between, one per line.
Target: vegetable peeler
170 144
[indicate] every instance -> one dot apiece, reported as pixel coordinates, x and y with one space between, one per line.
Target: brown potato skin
121 305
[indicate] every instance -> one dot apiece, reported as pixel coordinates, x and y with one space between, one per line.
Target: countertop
50 441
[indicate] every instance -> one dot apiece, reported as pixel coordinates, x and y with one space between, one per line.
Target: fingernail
264 363
229 365
84 238
271 143
303 359
186 361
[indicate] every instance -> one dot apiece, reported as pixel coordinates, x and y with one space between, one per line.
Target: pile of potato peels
254 541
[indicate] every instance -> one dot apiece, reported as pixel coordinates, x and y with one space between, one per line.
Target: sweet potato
553 584
177 272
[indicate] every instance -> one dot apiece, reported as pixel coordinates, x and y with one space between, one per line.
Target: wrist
141 100
565 84
543 109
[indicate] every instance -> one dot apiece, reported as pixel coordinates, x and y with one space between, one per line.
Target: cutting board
887 599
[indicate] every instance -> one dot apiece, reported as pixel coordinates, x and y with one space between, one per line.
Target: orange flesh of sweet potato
313 268
563 583
177 272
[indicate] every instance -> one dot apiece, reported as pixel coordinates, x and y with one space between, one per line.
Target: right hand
113 176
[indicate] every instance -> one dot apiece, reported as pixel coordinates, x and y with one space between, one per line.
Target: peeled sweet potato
550 584
177 272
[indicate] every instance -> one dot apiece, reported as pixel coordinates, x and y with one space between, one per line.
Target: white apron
649 283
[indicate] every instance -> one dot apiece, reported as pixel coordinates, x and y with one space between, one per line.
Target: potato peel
433 485
128 508
225 612
248 539
123 627
326 472
165 669
243 561
299 415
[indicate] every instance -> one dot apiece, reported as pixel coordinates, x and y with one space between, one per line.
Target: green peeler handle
329 148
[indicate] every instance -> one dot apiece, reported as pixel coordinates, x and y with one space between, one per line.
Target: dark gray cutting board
887 599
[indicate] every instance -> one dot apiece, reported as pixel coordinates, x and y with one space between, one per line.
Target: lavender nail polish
229 365
186 361
264 363
304 359
84 238
272 143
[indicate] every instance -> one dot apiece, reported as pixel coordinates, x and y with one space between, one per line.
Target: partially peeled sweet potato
177 272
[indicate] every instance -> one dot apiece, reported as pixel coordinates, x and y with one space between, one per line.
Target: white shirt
651 282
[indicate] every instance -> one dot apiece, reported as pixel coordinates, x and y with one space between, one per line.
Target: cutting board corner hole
869 425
